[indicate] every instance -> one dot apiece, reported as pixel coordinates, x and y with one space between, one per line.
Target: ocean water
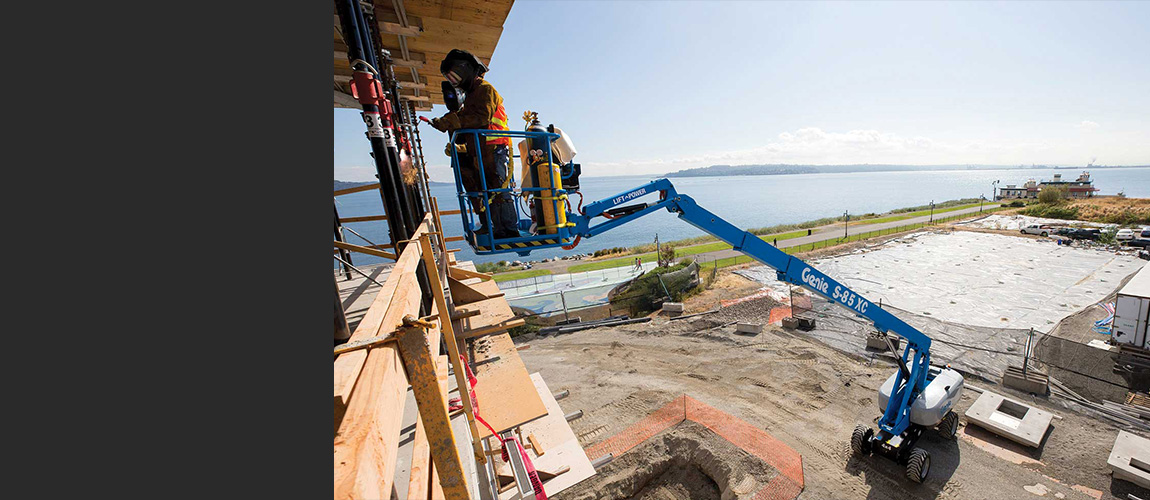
752 201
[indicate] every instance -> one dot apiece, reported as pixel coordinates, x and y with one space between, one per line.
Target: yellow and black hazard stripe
520 244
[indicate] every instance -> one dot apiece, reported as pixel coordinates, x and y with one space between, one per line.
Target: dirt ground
810 396
727 286
686 461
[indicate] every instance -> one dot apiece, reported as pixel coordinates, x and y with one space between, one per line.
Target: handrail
356 189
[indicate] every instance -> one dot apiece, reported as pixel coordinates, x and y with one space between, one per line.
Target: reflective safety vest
499 122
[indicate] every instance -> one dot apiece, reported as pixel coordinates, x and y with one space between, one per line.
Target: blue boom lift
916 397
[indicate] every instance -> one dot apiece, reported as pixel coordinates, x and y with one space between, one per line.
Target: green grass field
719 245
919 213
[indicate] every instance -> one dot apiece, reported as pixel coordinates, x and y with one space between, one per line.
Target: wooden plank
494 316
362 249
409 63
437 488
488 288
442 35
451 341
368 438
398 297
497 328
344 100
462 293
431 400
370 390
464 313
506 396
365 218
450 212
365 187
485 12
462 274
450 239
416 98
420 480
386 28
411 85
535 446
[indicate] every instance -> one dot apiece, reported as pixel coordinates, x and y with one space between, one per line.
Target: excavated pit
687 460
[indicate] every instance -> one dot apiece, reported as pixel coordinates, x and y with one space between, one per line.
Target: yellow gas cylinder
549 209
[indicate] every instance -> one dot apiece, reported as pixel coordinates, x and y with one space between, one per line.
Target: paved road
819 234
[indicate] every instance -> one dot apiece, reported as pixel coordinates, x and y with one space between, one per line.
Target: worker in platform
482 109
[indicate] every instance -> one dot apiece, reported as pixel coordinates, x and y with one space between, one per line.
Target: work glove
438 124
462 148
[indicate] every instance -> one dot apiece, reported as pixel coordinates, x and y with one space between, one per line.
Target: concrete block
1032 381
790 322
806 324
751 328
1130 459
1010 419
874 340
673 307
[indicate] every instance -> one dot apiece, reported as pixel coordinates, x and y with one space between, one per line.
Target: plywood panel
507 397
442 35
484 12
492 313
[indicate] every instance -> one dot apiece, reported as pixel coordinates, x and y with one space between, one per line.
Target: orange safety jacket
483 109
499 122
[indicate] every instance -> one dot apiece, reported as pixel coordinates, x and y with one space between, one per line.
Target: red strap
532 474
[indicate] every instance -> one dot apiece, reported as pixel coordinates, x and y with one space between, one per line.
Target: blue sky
654 87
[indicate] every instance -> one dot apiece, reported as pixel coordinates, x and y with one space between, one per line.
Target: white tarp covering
979 279
1017 222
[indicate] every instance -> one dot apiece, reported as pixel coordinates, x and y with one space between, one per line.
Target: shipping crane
917 397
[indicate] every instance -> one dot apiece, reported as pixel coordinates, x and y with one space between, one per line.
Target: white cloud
1087 125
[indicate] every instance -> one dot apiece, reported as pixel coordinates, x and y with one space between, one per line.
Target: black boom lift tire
860 440
918 466
948 428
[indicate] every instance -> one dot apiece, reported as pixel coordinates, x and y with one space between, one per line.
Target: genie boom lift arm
912 375
915 397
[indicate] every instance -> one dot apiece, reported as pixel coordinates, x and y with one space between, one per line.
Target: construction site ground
810 396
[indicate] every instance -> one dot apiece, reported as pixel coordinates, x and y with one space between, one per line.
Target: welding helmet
460 68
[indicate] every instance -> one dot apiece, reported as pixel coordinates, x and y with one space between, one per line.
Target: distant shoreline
899 168
783 169
350 184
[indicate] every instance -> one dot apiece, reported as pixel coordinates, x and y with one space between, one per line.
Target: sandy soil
810 396
727 286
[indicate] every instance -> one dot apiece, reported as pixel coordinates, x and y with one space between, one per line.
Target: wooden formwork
370 384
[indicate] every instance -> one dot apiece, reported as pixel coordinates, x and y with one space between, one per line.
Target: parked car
1077 233
1039 229
1145 233
1144 243
1124 235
